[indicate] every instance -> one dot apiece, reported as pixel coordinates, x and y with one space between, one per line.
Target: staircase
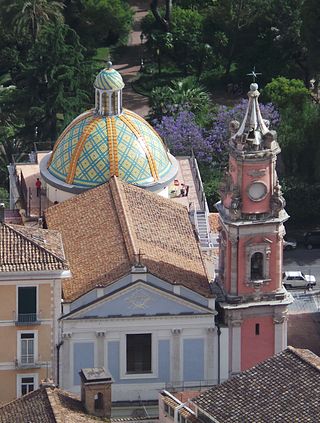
201 224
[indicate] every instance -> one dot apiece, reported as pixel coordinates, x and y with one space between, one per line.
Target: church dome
93 148
106 141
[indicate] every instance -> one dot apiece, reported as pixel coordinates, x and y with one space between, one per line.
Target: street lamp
141 54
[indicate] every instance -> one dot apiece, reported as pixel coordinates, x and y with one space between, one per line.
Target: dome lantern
108 92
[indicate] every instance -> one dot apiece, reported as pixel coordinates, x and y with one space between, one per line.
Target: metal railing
27 319
200 190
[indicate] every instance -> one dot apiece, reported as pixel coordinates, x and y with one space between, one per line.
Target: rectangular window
139 353
257 328
27 348
27 304
27 385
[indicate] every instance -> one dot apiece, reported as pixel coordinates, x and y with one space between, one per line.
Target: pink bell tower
252 214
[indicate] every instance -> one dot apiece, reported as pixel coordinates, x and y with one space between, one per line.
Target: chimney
96 391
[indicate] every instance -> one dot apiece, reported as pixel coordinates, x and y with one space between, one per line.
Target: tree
52 89
183 95
162 20
99 23
283 92
29 16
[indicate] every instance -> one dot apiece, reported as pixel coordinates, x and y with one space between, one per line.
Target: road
308 261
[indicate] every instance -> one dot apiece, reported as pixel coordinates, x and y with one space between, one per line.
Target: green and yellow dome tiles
109 79
94 147
108 141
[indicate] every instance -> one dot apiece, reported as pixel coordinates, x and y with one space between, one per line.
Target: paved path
129 63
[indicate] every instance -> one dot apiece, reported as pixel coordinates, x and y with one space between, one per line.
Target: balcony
27 319
27 362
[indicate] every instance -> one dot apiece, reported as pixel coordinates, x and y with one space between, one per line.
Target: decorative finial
109 64
254 74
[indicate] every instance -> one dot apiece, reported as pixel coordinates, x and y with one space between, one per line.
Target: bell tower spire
252 214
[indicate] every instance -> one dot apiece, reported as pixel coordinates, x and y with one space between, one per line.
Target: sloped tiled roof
104 228
45 405
284 388
30 249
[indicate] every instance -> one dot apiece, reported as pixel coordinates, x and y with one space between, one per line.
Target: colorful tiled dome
95 147
109 79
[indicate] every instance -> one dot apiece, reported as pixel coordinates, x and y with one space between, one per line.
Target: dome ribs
78 150
134 115
66 130
113 146
144 146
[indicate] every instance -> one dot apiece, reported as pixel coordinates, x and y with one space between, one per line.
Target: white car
298 280
289 245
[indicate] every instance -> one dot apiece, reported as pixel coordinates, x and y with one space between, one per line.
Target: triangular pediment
136 300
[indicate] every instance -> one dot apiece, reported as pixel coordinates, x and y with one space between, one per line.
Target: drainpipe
219 356
58 346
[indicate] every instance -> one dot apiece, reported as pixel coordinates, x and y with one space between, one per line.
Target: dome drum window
108 103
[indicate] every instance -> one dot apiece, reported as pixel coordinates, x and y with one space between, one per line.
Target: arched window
256 266
98 401
105 103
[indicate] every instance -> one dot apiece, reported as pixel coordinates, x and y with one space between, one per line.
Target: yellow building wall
8 296
8 378
45 306
8 302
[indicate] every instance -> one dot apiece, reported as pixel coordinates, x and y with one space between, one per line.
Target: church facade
139 301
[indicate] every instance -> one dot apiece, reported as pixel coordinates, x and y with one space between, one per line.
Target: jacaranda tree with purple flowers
184 135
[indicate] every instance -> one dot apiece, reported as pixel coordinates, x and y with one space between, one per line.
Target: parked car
312 239
289 245
298 280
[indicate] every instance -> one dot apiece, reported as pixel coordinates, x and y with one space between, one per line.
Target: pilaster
176 371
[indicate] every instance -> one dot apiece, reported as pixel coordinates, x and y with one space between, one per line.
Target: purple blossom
183 134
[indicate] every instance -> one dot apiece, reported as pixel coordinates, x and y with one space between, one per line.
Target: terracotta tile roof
214 222
185 410
104 228
30 249
284 388
45 405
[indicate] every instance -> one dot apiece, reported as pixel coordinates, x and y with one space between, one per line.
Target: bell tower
251 213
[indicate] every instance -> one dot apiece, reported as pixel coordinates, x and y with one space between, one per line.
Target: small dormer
96 391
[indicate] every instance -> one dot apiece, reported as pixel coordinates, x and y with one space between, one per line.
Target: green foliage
302 201
29 16
211 183
4 197
283 92
99 23
182 95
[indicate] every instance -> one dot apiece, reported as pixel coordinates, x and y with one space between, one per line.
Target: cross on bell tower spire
254 74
